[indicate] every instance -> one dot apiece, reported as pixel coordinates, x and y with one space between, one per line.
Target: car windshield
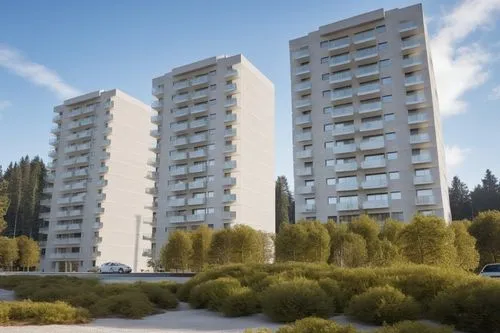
492 268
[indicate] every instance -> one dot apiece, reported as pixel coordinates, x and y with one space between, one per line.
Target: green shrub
414 327
184 290
258 330
380 305
316 325
297 299
211 294
158 295
335 293
241 302
28 312
128 304
474 307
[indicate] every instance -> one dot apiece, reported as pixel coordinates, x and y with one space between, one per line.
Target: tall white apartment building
367 133
96 191
214 148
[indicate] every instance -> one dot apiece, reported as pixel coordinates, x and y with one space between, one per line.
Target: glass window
392 155
380 29
210 210
394 175
399 216
330 181
348 180
324 60
383 46
323 44
330 163
395 195
389 117
377 197
326 93
210 194
385 63
387 98
424 193
329 144
309 183
310 201
349 199
390 136
325 77
422 172
328 110
332 200
387 80
328 127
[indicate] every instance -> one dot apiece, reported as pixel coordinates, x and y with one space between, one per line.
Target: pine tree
4 204
460 200
282 203
487 195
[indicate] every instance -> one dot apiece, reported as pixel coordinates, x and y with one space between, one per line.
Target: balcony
147 253
199 108
303 86
344 148
229 165
342 130
153 161
69 213
230 118
373 163
48 190
411 43
374 183
81 123
74 187
304 136
308 208
228 181
195 218
303 120
157 91
347 206
199 94
197 138
306 189
340 60
182 98
230 102
417 118
339 44
66 255
57 118
371 125
230 88
302 70
229 197
340 77
181 85
343 167
152 191
406 27
178 127
307 153
372 144
44 216
342 111
302 103
301 54
425 200
228 215
199 123
197 184
198 153
67 227
153 206
106 143
419 138
45 202
55 130
101 183
375 204
414 81
176 187
155 148
367 72
421 158
231 73
176 219
196 201
79 136
368 90
74 174
77 148
177 202
204 79
412 63
157 105
156 119
230 132
229 149
370 53
155 133
67 241
148 237
347 186
364 37
103 169
50 178
308 171
423 180
369 107
197 168
341 94
181 171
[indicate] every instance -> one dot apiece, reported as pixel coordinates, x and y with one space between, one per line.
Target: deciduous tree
8 252
176 254
220 248
347 249
486 229
246 245
202 237
29 252
465 244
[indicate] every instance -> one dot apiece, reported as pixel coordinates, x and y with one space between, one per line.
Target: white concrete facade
367 133
214 160
96 184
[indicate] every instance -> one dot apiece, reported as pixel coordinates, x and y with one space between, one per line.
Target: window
332 200
380 29
309 183
377 197
386 80
310 201
349 199
326 93
213 86
397 216
328 127
330 181
329 144
395 195
348 180
324 60
392 155
385 63
383 46
212 102
211 162
390 136
375 177
387 98
422 172
424 193
325 77
211 146
426 212
210 210
210 194
394 175
323 44
330 163
328 110
389 117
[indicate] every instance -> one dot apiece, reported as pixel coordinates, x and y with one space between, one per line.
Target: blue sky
50 50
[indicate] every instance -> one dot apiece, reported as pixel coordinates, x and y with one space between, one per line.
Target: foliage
486 196
4 204
414 327
460 200
316 325
246 245
220 251
427 240
380 305
465 245
347 249
335 292
27 312
367 228
240 302
390 230
486 229
202 237
131 304
176 254
159 294
282 202
296 299
8 251
211 294
29 252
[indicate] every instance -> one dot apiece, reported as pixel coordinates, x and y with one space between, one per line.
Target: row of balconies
71 255
180 202
198 184
198 217
82 111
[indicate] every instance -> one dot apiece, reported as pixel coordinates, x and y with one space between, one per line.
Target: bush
158 295
211 294
473 307
297 299
335 293
129 305
241 302
380 305
316 325
27 312
413 327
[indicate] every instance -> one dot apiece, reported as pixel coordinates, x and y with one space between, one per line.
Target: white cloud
495 93
38 74
4 105
461 66
455 156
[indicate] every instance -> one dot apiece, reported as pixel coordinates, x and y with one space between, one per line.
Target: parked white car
491 270
114 267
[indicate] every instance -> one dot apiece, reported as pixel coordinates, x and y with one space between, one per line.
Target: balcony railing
300 54
181 186
199 94
366 53
230 132
181 84
421 180
304 171
228 181
411 80
176 219
229 118
230 87
374 163
199 108
196 201
340 77
407 26
372 144
415 99
303 120
343 167
410 43
178 171
417 118
177 202
198 153
368 88
229 165
370 107
347 186
343 111
230 102
307 153
302 86
197 168
195 218
302 103
367 71
425 200
419 138
364 36
339 43
306 189
305 136
340 60
197 184
229 197
199 80
300 70
197 138
341 94
198 123
229 149
177 127
346 206
375 204
422 158
374 183
341 130
412 61
344 148
371 125
308 208
181 98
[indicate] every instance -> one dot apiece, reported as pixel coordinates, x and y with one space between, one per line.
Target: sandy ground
183 320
